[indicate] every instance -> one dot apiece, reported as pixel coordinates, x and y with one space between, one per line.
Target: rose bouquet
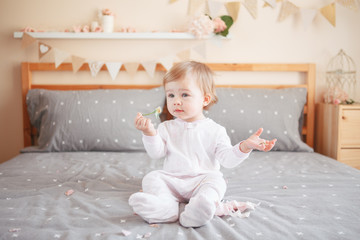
202 26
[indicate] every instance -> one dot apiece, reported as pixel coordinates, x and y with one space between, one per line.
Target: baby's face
185 100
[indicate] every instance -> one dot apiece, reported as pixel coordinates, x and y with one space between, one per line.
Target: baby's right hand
144 124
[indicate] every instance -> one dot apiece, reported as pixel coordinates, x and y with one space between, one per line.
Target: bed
83 159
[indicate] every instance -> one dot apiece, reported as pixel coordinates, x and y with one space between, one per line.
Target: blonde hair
200 72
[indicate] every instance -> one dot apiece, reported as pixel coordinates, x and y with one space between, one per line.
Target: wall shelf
115 35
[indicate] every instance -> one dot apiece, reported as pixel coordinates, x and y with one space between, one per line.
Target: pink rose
219 25
107 12
98 29
337 101
28 29
86 29
77 29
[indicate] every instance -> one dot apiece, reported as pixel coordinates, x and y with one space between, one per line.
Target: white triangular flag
217 40
60 56
167 62
349 4
184 55
194 5
308 16
131 68
214 8
149 67
287 9
200 49
95 67
251 6
272 3
113 68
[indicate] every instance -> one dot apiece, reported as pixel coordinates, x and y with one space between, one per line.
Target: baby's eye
170 95
185 95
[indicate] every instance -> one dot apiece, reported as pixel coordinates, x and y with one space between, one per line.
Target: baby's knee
152 182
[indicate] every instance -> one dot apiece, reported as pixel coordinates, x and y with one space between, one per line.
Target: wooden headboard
308 69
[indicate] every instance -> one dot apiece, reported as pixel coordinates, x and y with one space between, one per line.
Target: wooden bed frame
309 70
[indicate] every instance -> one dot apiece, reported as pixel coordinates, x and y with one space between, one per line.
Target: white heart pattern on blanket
43 48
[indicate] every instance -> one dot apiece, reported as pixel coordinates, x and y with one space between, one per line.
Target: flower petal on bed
69 192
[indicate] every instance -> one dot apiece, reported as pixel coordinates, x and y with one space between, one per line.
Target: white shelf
115 35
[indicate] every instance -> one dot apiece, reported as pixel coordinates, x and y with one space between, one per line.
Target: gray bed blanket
84 195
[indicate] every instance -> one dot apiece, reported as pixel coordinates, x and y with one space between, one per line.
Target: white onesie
193 154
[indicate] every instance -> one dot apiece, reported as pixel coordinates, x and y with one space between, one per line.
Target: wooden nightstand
338 132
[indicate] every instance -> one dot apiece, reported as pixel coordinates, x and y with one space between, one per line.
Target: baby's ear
207 100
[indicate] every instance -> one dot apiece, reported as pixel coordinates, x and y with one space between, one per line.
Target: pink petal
69 192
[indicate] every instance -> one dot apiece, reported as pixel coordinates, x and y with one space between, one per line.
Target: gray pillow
279 111
94 120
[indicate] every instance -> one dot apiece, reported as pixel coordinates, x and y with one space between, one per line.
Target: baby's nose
177 101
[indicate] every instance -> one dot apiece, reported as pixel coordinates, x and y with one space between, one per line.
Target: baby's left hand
255 142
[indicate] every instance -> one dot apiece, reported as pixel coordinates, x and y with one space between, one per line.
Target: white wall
260 40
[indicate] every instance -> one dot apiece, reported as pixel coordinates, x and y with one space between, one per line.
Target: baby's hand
144 124
255 142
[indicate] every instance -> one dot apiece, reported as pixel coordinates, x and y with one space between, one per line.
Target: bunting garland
95 67
167 62
184 55
43 49
350 4
27 40
201 50
194 6
131 68
287 9
77 62
149 67
233 9
113 68
213 6
308 16
271 3
251 6
329 13
59 56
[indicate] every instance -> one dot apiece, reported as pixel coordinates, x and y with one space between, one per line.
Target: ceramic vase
108 23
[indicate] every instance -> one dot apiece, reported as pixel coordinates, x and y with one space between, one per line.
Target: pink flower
98 29
107 12
86 29
336 95
128 29
28 29
201 26
219 25
77 29
337 101
69 192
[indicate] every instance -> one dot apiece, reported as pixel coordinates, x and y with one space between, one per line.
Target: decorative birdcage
341 79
